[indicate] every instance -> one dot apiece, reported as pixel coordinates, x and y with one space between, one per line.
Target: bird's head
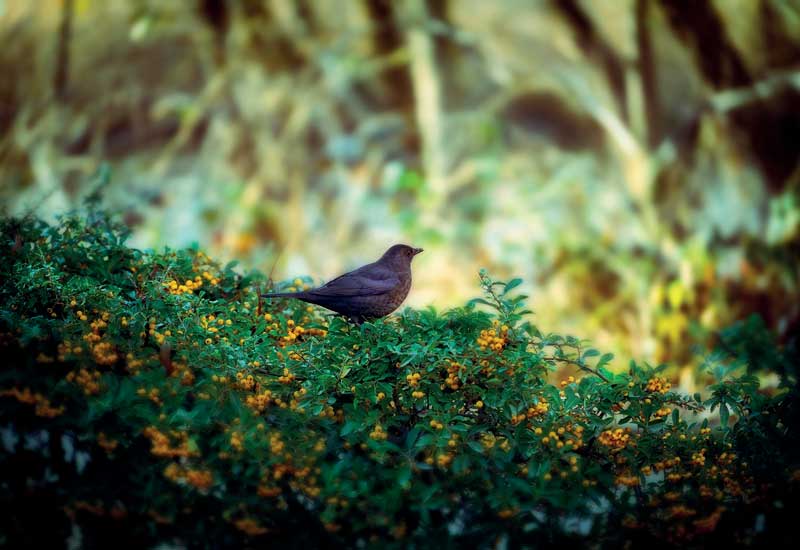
400 255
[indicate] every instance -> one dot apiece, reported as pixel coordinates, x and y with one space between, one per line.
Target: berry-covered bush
155 397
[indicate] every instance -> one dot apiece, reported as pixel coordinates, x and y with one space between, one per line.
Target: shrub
154 397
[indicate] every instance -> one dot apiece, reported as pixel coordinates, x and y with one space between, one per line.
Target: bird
367 293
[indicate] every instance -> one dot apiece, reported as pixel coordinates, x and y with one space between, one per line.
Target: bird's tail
283 295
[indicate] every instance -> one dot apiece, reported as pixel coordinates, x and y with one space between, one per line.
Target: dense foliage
635 162
151 397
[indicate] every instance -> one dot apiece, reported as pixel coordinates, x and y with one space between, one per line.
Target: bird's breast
399 295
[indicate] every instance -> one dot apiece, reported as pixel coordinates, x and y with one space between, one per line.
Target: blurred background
635 161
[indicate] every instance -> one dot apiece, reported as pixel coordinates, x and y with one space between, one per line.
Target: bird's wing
370 280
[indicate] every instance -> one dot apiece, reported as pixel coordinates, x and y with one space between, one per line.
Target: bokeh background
634 161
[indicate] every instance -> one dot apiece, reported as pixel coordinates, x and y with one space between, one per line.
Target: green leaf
404 475
349 427
723 414
571 399
604 360
461 463
590 353
511 285
412 436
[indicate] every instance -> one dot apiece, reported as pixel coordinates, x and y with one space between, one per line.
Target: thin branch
578 364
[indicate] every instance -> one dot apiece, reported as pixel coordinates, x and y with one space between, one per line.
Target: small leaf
461 463
411 438
511 285
723 414
604 360
349 427
404 475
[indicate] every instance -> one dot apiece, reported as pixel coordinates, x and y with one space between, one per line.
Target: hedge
154 397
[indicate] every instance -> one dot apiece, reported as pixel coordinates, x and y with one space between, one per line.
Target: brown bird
369 292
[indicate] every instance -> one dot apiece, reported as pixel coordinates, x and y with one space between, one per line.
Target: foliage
540 139
150 397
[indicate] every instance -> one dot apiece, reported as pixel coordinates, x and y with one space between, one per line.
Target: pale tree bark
427 88
61 77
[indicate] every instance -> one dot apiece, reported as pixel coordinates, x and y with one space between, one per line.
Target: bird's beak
417 251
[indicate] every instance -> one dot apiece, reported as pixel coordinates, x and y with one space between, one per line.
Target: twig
578 364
